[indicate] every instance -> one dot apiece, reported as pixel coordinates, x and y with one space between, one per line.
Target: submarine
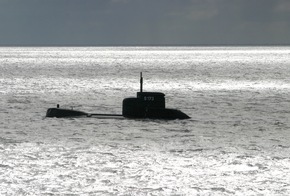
146 105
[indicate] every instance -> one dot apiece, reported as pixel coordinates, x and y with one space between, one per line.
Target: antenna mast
141 82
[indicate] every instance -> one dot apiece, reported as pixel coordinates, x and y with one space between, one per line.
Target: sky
144 22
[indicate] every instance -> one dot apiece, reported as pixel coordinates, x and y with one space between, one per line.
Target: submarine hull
159 113
150 113
61 113
165 113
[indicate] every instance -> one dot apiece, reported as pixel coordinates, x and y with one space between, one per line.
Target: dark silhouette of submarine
149 105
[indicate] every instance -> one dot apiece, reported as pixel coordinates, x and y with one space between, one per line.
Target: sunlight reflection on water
236 142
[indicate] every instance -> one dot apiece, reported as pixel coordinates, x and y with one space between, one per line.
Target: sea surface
237 141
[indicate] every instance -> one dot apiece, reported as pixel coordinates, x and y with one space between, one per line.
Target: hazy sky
144 22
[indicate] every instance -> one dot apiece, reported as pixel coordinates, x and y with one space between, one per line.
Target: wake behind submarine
147 105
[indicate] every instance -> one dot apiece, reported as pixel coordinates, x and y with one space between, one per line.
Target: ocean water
236 142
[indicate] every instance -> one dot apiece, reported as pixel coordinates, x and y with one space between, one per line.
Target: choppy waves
117 169
236 143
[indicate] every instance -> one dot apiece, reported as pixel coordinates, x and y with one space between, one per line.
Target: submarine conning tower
149 105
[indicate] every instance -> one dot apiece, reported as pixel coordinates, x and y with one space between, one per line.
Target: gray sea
236 142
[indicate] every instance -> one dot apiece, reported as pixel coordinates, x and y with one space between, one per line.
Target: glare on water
236 142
